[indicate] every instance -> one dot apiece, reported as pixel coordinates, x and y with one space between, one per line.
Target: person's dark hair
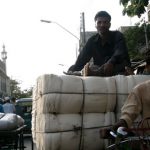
13 98
102 14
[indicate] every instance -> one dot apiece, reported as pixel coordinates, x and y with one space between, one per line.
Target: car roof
24 100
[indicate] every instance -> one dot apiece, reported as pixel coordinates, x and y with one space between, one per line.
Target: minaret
4 56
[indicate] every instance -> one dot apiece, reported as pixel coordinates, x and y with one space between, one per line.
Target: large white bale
75 103
58 141
60 103
124 85
50 83
70 140
98 103
33 127
57 123
100 94
96 94
72 122
97 120
104 85
34 113
92 140
133 80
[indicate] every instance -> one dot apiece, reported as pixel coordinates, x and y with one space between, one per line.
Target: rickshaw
24 108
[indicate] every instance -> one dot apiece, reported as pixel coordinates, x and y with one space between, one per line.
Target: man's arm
120 50
129 112
132 107
84 57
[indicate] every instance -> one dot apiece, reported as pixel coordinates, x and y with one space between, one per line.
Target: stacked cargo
68 111
124 85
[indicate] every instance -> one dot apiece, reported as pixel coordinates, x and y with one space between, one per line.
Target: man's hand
75 73
105 132
108 69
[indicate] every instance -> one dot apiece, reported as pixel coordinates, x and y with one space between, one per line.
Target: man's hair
102 14
13 98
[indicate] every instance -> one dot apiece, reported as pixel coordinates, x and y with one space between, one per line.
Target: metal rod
48 21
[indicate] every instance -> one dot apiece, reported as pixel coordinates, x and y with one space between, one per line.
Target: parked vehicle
24 109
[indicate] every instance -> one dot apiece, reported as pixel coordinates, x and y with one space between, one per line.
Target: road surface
28 143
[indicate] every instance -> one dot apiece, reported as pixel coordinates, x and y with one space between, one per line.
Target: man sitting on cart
107 49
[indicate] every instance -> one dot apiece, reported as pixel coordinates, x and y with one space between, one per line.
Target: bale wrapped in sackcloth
50 126
56 93
72 122
75 106
124 85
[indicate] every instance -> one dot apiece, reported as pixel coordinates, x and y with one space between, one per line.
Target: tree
26 93
134 7
16 90
135 39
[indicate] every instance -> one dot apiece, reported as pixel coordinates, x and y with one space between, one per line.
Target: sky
35 48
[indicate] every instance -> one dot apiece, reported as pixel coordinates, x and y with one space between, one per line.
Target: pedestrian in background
13 100
1 106
8 106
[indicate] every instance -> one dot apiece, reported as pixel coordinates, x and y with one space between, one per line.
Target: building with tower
4 79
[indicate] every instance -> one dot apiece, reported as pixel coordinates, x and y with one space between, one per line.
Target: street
28 143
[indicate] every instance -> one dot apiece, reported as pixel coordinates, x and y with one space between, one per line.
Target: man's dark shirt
113 51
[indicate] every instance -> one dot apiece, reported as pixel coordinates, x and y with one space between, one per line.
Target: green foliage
26 93
135 39
124 2
134 7
16 90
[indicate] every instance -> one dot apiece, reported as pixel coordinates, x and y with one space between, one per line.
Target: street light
47 21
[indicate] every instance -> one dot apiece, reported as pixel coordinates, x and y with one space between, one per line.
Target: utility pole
146 38
82 31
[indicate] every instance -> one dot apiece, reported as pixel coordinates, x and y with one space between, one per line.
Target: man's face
102 24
